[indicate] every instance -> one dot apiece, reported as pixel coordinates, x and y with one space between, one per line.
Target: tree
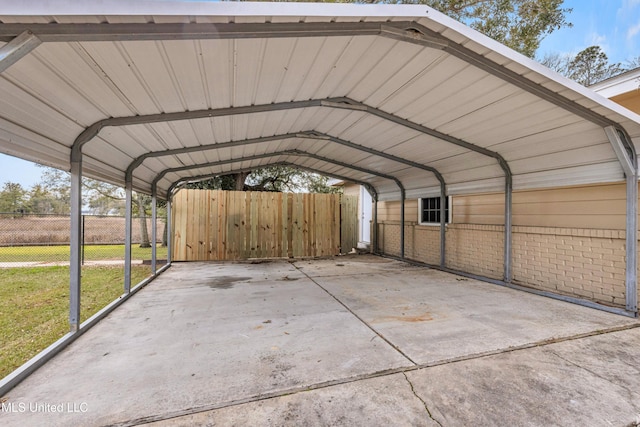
270 178
57 183
633 63
102 197
519 24
588 67
557 62
41 201
591 66
13 198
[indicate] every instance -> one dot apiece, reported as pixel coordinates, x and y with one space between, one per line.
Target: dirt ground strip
355 340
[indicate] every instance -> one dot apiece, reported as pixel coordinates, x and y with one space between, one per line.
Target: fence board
349 229
230 225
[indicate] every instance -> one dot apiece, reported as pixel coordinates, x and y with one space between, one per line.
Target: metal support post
631 276
403 196
127 235
508 217
374 234
169 230
154 228
626 153
75 243
443 221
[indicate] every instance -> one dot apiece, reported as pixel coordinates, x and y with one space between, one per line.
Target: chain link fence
34 239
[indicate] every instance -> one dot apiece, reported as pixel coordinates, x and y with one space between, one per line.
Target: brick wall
580 262
584 263
476 249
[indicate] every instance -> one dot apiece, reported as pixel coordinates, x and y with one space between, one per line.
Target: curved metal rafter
276 154
337 102
370 188
305 134
315 156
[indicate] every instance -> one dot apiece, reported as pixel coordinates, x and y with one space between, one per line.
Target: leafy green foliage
588 67
270 178
13 198
591 66
519 24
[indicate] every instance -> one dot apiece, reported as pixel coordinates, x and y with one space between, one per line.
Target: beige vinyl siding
390 210
595 206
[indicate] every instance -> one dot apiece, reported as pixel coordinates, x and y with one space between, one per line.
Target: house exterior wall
569 241
630 100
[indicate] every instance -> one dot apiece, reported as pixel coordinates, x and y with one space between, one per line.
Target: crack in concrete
631 393
393 346
354 379
426 407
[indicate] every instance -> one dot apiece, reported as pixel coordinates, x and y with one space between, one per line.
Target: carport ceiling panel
186 69
20 107
591 155
360 130
355 81
130 87
589 174
425 149
20 142
465 161
419 88
565 138
339 121
505 115
458 103
140 138
547 123
44 74
351 62
396 65
151 62
113 156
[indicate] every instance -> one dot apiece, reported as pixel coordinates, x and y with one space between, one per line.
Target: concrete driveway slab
538 386
356 340
384 401
432 316
196 336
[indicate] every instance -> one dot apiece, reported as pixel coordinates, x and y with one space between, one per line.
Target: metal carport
148 94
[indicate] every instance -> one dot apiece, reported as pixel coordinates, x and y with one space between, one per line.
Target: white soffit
396 96
618 85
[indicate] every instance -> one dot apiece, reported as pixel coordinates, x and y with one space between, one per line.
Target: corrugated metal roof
241 85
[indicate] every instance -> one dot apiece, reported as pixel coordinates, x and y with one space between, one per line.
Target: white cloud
634 30
595 39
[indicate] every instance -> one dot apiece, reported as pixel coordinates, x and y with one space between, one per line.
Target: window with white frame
429 210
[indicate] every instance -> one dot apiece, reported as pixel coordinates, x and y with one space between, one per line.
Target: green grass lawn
61 253
34 306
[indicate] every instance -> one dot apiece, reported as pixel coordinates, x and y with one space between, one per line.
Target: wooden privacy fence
233 225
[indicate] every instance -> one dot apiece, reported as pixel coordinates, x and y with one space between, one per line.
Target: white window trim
434 224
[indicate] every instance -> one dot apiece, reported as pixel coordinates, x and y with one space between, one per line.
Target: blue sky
614 25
